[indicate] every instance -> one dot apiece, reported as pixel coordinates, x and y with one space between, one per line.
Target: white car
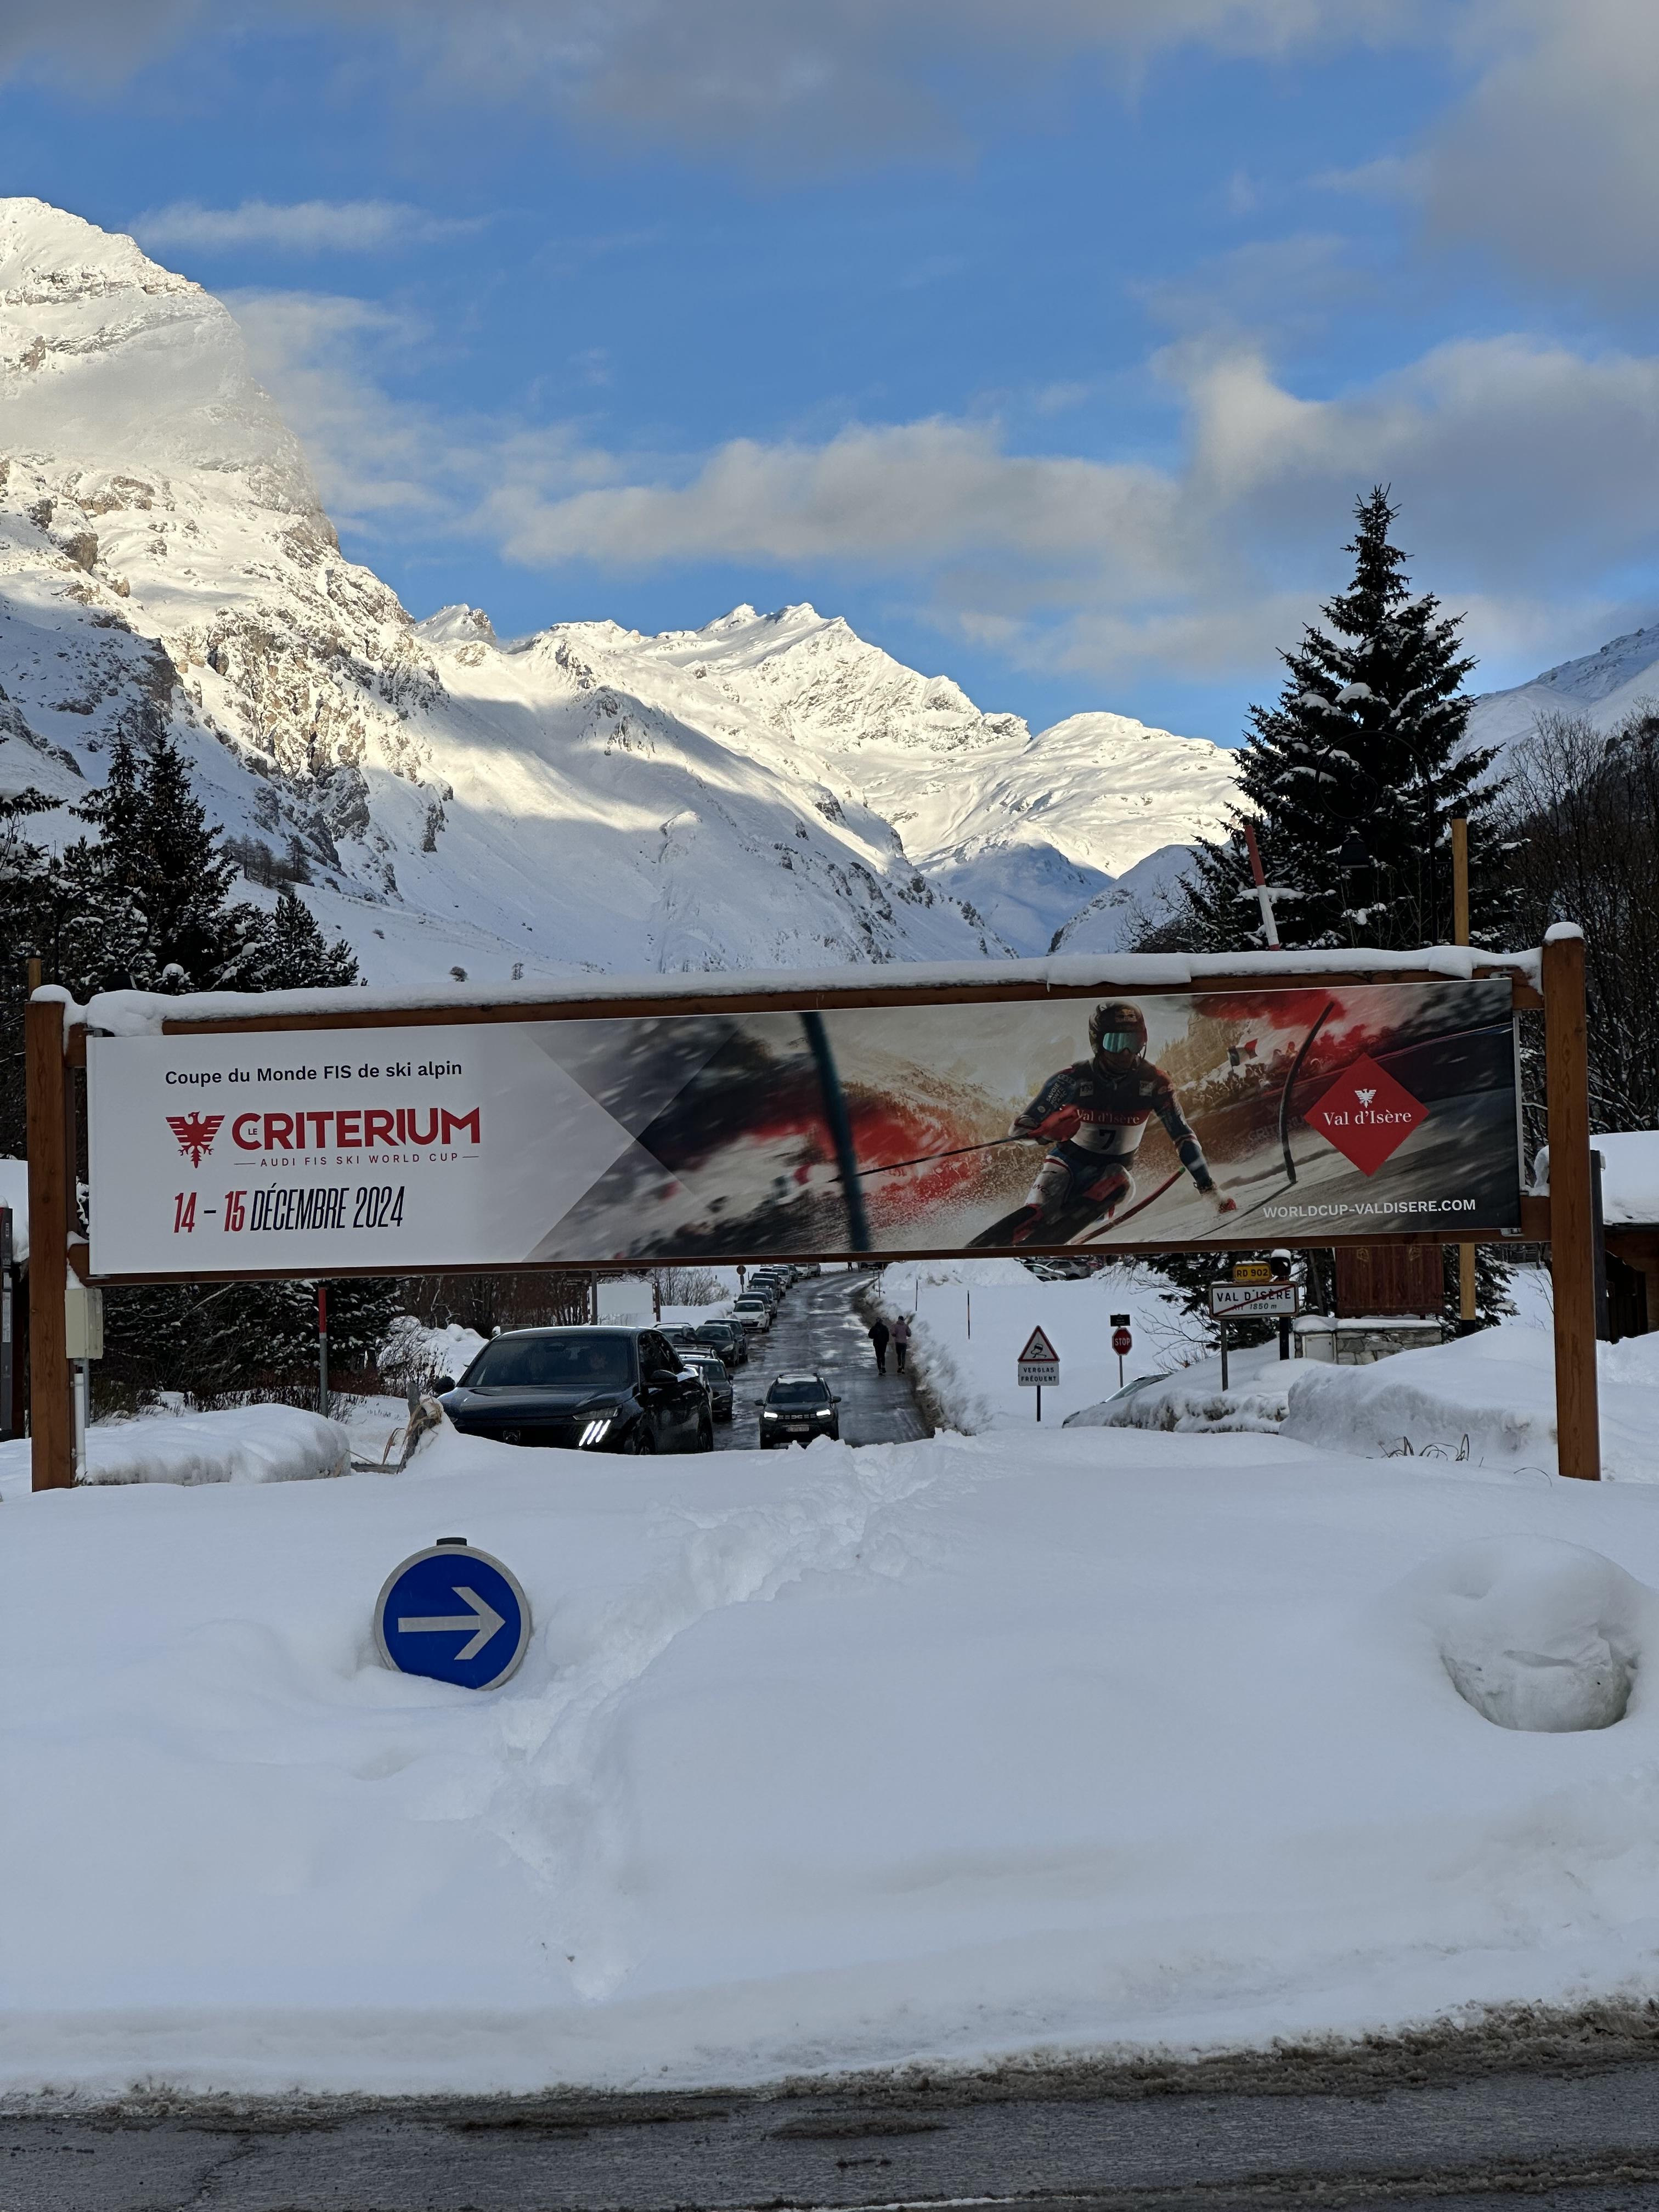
752 1312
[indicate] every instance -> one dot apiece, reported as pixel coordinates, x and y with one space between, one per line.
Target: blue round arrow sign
455 1613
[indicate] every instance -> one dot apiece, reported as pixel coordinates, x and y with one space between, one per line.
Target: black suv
797 1408
588 1389
728 1338
712 1368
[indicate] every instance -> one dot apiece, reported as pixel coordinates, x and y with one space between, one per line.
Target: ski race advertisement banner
1245 1114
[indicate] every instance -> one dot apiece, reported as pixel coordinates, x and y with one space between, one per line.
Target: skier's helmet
1118 1027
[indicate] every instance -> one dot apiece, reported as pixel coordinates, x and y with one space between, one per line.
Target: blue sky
1048 340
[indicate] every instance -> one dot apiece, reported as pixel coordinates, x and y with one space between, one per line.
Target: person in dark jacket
879 1333
1091 1117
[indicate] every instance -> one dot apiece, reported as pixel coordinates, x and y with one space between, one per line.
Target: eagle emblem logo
196 1134
1365 1096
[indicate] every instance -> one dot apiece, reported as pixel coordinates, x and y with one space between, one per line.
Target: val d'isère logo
1366 1115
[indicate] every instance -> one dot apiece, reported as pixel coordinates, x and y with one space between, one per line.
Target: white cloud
1553 160
1526 470
377 461
792 85
299 227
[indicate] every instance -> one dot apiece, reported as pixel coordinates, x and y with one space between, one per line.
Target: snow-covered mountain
1603 687
769 790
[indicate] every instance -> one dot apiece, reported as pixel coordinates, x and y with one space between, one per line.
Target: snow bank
971 1318
933 1751
144 1013
252 1443
1487 1399
417 1348
1191 1400
1630 1176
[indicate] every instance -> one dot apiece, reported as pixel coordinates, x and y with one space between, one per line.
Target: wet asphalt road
817 1331
1268 2133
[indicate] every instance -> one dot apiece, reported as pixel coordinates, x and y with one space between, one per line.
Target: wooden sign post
1573 1231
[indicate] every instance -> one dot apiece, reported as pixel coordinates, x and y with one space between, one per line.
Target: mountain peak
108 360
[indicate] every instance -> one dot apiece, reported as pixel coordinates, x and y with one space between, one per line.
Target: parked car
772 1278
797 1408
718 1382
753 1311
587 1390
728 1338
765 1286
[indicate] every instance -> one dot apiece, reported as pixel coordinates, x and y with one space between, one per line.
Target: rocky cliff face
770 790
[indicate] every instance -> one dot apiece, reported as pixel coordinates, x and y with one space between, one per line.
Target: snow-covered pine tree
28 921
1352 781
1353 778
294 955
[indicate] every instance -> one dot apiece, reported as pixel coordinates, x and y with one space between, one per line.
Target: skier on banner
1092 1117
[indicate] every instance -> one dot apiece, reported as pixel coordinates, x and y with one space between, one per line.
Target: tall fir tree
145 900
1353 778
1352 782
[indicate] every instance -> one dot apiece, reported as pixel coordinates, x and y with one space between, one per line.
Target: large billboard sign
1287 1115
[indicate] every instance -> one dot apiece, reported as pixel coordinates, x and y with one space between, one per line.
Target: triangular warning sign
1039 1347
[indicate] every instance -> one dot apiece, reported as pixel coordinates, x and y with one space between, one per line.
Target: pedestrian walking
879 1333
901 1340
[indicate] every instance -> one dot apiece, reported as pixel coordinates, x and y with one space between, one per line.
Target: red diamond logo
1366 1115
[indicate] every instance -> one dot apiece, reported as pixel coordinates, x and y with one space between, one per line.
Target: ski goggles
1119 1040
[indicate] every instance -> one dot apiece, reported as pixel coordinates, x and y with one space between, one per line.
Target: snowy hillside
1603 686
770 789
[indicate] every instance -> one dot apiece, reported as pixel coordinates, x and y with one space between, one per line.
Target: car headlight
597 1430
768 1417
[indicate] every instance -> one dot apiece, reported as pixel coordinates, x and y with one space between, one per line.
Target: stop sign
1122 1342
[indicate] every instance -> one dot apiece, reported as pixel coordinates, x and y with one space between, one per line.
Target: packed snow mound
249 1443
1487 1401
1536 1634
927 1753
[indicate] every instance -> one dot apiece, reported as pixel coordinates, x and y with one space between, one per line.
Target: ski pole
923 1158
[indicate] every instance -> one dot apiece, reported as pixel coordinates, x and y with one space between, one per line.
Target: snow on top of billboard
145 1013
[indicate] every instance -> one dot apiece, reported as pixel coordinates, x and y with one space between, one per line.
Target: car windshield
705 1366
573 1362
798 1390
749 1302
715 1332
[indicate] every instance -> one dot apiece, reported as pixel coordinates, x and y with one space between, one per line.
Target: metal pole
1572 1227
82 1394
1224 1352
8 1328
840 1125
1603 1326
1120 1370
1468 1302
322 1349
1039 1392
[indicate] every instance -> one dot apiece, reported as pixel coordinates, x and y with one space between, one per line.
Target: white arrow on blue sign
453 1613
